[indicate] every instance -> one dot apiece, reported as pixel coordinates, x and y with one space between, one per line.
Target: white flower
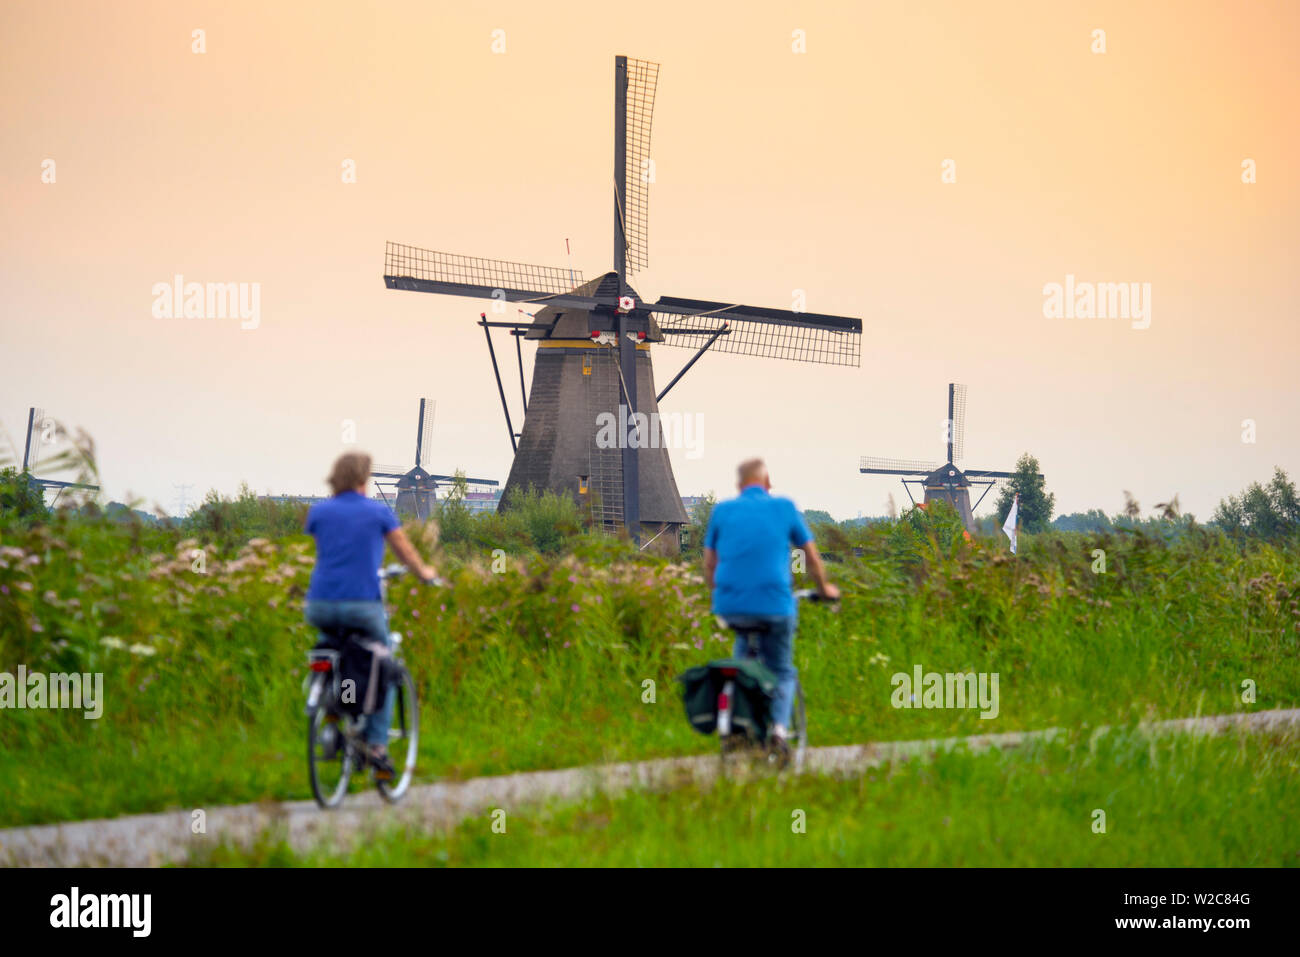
145 650
108 641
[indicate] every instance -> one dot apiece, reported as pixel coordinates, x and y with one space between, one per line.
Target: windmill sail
450 274
424 430
32 447
638 106
759 331
957 421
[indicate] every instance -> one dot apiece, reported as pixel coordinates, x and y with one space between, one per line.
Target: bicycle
335 745
733 742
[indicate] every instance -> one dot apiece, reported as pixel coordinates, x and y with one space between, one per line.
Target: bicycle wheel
329 759
798 728
403 739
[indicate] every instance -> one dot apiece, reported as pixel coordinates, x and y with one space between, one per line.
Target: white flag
1009 526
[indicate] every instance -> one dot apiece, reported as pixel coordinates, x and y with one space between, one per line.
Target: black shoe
382 765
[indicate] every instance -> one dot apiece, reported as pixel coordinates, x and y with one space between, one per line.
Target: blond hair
351 469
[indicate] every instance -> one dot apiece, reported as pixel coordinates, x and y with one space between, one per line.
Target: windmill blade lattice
428 270
426 436
757 331
958 424
642 79
34 444
871 463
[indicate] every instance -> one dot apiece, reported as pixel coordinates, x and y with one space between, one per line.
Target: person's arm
818 571
406 553
710 566
802 539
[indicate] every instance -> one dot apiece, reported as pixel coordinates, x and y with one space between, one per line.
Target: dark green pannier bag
751 700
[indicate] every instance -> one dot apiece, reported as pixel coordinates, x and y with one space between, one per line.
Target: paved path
144 840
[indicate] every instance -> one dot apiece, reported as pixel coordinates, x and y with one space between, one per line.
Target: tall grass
545 661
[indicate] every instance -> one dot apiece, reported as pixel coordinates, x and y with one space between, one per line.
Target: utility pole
182 499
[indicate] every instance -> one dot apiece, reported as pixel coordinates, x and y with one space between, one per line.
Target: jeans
776 652
370 617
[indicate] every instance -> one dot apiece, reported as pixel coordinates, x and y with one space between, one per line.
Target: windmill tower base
958 498
415 503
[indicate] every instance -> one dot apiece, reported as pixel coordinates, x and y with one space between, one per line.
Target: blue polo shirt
349 530
752 535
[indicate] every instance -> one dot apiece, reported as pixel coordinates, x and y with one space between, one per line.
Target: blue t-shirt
752 535
349 530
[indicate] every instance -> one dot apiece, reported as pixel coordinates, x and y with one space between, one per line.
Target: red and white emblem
626 303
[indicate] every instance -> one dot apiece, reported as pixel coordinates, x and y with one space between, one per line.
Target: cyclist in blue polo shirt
350 532
747 567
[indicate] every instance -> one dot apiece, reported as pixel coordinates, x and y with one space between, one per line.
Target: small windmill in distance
34 446
416 488
943 481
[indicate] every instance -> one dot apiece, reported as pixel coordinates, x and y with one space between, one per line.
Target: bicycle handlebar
397 571
813 595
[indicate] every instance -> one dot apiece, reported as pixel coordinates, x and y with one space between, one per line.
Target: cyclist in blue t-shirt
747 567
350 532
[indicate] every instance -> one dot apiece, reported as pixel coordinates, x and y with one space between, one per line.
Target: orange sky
775 171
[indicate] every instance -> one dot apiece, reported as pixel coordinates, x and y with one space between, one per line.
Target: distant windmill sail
1009 526
67 458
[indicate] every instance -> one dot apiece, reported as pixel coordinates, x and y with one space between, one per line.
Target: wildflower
108 641
50 597
699 644
415 613
573 579
36 626
566 644
24 586
574 608
143 650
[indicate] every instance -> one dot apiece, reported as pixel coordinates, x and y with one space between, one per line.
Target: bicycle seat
744 625
333 639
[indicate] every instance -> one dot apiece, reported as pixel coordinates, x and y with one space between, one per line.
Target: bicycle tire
337 749
406 717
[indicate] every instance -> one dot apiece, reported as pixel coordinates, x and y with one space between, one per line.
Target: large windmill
416 488
943 481
34 445
593 344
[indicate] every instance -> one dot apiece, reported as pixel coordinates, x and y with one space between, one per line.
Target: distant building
485 501
690 501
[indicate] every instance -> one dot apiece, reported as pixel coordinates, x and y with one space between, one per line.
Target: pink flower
442 608
573 579
415 613
566 644
574 608
699 643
